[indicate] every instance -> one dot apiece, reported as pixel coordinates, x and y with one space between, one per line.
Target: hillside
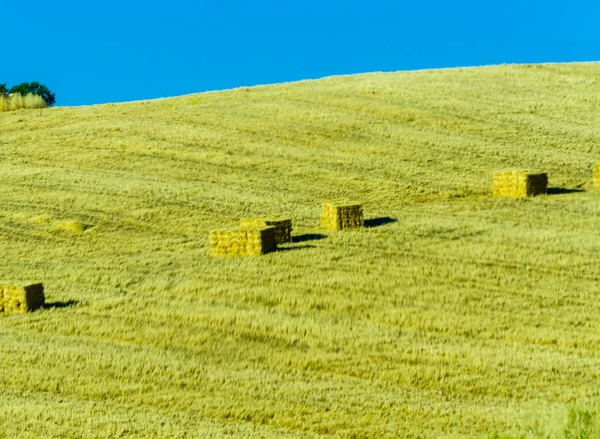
454 315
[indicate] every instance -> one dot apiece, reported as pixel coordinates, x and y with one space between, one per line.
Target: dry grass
16 102
466 316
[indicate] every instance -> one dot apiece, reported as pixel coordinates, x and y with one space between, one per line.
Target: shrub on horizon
34 88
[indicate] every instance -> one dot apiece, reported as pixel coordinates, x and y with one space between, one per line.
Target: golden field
452 314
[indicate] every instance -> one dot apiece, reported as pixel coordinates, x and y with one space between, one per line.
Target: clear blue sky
121 50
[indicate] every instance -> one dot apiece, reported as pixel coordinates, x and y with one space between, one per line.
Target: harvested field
470 315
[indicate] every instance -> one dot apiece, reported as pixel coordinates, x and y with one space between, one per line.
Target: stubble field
454 314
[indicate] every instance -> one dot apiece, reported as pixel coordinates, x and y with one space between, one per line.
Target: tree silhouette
35 88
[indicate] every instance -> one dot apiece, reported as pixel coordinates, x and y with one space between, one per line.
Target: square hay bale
242 241
338 215
517 184
19 299
283 226
597 174
261 240
228 242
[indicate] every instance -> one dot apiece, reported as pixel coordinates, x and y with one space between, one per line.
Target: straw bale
19 299
338 215
261 240
74 227
283 226
242 241
517 184
597 174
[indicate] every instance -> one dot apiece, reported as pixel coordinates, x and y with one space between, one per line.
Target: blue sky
112 51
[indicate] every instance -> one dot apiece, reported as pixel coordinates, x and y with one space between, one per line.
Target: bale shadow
296 247
60 305
308 237
376 222
563 190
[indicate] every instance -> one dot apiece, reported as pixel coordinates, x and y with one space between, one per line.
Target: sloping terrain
454 314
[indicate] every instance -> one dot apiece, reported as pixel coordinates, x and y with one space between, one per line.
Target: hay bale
261 240
19 299
339 215
597 174
517 184
227 242
73 227
242 241
283 227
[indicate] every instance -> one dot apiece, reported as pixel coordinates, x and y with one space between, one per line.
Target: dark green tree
3 90
35 88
